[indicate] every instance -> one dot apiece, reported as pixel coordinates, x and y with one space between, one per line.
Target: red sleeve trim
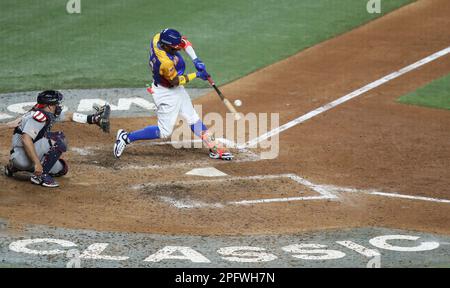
185 43
39 116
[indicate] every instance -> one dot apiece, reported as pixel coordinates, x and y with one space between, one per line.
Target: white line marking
189 204
335 190
4 116
82 151
272 200
326 192
324 195
395 195
369 253
347 97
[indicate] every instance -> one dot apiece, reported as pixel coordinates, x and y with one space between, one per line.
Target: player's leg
9 169
216 151
50 150
19 161
168 105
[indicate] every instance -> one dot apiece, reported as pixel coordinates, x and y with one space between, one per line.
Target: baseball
238 102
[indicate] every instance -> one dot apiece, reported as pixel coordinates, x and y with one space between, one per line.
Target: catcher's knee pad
64 170
59 141
50 158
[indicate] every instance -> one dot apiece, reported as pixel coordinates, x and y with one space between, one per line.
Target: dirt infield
371 142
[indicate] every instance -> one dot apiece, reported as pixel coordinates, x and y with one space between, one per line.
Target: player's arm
169 72
11 124
182 79
99 118
189 49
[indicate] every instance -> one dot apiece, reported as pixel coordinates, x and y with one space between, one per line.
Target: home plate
206 172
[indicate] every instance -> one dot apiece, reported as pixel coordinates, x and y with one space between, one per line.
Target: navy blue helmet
50 97
170 37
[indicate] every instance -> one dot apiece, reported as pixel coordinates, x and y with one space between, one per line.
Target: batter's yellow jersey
164 65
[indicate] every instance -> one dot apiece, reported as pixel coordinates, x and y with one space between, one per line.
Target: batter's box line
336 190
188 203
326 192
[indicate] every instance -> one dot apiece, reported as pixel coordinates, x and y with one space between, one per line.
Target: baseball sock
198 128
148 133
201 131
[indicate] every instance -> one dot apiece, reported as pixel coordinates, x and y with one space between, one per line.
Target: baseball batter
36 149
171 99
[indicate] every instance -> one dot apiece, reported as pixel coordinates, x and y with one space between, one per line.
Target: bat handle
211 81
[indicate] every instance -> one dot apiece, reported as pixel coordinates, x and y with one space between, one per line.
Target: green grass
436 94
444 265
43 46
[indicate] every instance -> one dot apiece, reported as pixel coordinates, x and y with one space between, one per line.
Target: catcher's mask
51 97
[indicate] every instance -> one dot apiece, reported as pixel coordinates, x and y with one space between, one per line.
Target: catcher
36 149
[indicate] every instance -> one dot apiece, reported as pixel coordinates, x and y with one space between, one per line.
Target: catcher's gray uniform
31 125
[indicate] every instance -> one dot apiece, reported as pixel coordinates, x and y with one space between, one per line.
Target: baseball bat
225 101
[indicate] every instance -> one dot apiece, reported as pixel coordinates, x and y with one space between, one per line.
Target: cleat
36 179
220 154
121 142
44 180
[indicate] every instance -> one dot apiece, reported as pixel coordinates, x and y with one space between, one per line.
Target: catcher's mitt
101 117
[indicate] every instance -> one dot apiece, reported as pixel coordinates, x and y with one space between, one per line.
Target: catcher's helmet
170 37
50 97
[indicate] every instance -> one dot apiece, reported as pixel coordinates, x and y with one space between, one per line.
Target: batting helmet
170 37
50 97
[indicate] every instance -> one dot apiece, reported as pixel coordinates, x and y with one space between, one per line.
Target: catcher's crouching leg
52 164
62 171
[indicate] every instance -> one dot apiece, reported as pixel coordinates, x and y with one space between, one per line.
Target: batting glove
199 65
202 75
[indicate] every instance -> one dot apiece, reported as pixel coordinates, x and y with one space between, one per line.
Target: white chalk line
346 98
326 192
335 189
395 195
82 151
323 194
189 204
4 116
